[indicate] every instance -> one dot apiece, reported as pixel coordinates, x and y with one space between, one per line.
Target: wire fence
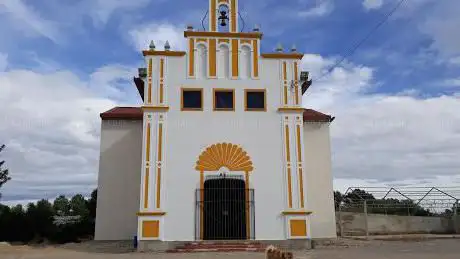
398 210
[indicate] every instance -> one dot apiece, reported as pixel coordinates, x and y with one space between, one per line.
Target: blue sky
63 62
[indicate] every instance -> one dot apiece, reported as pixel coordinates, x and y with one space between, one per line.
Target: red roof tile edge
310 115
135 113
123 113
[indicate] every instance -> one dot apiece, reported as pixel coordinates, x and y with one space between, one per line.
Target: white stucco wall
119 180
320 197
189 133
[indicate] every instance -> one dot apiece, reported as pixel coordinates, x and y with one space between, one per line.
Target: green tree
3 172
40 218
78 206
338 199
5 215
358 195
92 203
61 205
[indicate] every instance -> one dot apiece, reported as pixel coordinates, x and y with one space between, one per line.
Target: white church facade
222 147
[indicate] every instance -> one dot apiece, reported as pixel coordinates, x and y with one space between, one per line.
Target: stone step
219 246
224 242
224 245
215 250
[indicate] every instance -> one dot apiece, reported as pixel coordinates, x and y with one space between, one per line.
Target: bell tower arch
223 14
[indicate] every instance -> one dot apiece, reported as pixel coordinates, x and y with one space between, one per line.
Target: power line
361 42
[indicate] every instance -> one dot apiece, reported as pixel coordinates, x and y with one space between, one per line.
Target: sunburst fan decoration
224 155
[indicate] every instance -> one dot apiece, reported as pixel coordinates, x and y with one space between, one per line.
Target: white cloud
141 36
442 26
29 20
455 60
111 81
3 61
372 4
101 10
324 7
451 82
384 137
50 124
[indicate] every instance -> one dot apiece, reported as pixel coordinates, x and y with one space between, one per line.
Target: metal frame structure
435 199
401 201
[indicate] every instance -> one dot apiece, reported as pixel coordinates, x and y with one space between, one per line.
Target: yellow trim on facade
213 15
151 229
155 108
245 41
296 83
191 58
299 146
216 90
212 58
202 40
255 55
302 199
296 213
282 55
147 166
146 188
162 75
298 227
299 167
224 155
247 186
160 159
239 35
233 17
150 73
246 91
288 159
289 176
224 41
285 83
202 206
151 214
235 58
182 108
291 109
163 53
288 150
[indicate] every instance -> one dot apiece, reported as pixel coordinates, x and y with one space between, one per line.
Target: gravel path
437 249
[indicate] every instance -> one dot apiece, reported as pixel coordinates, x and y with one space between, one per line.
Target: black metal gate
224 210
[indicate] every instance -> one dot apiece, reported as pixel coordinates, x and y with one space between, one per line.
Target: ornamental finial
167 46
152 45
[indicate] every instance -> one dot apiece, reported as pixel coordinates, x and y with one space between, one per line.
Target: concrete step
216 246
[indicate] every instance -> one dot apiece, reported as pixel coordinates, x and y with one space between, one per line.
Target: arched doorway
224 209
225 202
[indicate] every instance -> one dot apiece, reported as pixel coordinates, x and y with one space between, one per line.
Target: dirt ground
439 249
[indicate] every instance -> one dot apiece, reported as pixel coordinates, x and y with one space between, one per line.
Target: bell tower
223 16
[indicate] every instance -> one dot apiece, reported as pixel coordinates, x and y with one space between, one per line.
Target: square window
255 100
192 99
224 99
